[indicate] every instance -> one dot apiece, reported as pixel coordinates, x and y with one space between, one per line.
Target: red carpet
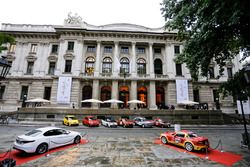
225 158
22 158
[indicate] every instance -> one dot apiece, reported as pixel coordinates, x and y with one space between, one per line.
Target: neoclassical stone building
76 61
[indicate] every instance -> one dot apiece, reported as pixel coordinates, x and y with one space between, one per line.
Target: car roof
69 116
43 129
186 131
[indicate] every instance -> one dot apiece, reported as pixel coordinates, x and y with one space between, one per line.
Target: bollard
177 127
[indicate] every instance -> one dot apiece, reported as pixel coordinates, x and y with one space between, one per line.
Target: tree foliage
4 39
212 30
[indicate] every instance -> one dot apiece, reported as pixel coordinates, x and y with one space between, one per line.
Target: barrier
177 127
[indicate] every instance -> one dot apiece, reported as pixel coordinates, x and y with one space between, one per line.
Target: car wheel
42 148
189 147
77 140
164 140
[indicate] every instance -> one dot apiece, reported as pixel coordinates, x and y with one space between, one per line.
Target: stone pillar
114 93
116 66
169 53
133 60
151 61
98 56
95 93
133 94
152 92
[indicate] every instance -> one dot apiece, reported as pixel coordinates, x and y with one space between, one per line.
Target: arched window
124 65
141 66
142 95
86 94
107 65
160 97
158 66
124 96
90 64
105 95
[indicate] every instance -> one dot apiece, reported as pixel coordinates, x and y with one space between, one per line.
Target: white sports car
42 139
109 122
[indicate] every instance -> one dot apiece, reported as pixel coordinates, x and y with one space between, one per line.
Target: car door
179 139
85 121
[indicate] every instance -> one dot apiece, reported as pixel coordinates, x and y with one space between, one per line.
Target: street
129 147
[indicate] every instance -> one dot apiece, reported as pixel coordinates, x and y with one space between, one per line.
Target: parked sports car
70 120
90 121
143 122
187 139
126 123
160 123
42 139
109 122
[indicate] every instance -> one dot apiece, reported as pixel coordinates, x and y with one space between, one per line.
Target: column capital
133 43
98 42
116 42
150 44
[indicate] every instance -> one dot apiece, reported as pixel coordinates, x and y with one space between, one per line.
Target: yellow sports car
70 120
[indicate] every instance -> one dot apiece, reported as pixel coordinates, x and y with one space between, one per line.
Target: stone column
97 61
152 100
95 93
133 60
114 93
133 94
151 60
116 66
169 53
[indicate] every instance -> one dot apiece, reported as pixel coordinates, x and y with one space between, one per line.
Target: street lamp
4 68
245 135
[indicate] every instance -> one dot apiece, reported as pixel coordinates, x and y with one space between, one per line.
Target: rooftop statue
73 20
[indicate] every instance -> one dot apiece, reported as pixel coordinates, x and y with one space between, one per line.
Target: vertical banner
181 90
246 107
64 90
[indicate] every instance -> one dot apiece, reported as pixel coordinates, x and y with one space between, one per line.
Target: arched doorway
86 94
160 97
158 66
124 96
105 95
142 95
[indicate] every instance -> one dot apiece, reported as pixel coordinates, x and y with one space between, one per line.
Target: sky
96 12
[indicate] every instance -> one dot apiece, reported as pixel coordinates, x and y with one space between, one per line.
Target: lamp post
243 96
4 68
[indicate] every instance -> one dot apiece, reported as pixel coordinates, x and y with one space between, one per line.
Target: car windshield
160 120
92 118
192 135
72 118
33 133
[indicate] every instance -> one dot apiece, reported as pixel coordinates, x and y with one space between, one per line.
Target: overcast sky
97 12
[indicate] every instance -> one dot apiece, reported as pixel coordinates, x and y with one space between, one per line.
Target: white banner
64 90
181 90
246 107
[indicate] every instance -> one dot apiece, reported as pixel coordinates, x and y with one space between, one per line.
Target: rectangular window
70 46
157 50
178 69
91 49
52 66
30 67
140 50
33 48
24 92
2 89
54 49
47 93
196 95
176 49
107 49
12 48
216 95
229 72
211 72
124 50
68 64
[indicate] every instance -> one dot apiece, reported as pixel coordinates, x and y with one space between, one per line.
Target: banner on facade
246 107
64 90
181 90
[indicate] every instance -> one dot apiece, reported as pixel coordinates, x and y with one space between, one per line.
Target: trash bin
177 127
244 138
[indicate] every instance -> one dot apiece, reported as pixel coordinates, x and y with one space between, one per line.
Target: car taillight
24 142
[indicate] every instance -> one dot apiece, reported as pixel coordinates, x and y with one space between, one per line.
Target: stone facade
115 61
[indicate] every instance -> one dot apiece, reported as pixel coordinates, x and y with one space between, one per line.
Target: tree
211 29
4 39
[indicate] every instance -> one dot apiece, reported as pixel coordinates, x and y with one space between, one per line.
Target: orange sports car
187 139
126 123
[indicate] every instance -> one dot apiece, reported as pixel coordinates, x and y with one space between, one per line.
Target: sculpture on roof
73 19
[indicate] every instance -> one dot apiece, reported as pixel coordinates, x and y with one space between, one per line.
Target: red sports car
160 123
126 123
187 139
90 121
